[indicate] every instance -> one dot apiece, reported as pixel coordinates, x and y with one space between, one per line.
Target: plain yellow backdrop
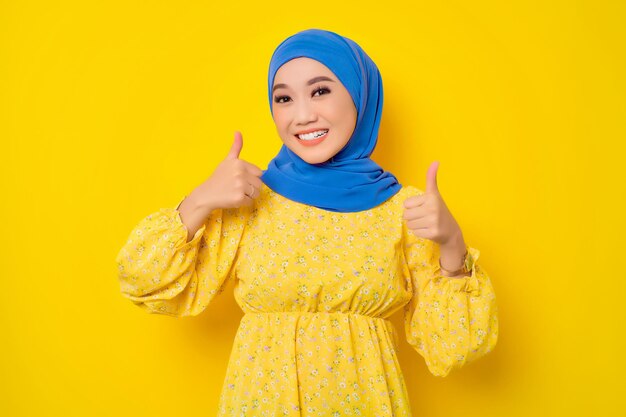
111 111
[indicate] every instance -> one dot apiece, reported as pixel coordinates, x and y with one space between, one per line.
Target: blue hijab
350 181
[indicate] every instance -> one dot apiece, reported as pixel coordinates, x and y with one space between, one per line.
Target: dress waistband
296 316
316 313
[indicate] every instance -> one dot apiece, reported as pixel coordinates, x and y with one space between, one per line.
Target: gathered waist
323 314
335 325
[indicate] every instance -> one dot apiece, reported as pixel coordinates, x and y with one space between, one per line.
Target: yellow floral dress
317 288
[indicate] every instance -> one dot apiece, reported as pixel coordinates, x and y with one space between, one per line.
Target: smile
313 138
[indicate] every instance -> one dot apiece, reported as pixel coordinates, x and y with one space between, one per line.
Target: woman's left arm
452 318
448 321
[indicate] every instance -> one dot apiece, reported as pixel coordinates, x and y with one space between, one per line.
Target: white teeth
313 135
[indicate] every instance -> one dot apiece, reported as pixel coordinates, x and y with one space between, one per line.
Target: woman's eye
279 98
322 88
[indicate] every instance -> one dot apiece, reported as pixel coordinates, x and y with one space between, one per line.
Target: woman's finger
255 181
420 223
415 201
415 213
253 169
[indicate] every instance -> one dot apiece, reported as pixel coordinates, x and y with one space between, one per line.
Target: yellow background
110 111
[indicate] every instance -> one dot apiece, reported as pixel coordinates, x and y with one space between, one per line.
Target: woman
325 246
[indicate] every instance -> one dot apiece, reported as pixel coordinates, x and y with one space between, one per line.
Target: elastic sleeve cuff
172 216
469 283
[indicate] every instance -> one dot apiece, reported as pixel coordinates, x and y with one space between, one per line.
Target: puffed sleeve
162 273
449 321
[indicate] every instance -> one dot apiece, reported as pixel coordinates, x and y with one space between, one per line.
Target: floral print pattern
317 289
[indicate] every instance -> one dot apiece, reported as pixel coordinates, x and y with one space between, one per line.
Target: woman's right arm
162 272
176 260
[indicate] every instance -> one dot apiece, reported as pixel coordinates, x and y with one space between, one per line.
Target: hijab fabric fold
350 181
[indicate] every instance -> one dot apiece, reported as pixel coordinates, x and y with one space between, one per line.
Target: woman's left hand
428 216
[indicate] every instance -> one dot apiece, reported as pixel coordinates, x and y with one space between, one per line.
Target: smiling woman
324 248
335 173
314 114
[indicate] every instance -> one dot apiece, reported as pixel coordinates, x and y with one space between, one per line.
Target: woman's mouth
312 138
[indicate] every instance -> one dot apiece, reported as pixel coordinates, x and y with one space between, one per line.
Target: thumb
431 178
235 149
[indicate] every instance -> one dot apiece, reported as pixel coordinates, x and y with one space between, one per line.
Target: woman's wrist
453 256
458 273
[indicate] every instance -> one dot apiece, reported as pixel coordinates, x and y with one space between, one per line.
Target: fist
427 215
234 183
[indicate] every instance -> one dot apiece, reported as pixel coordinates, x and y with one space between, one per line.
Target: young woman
324 246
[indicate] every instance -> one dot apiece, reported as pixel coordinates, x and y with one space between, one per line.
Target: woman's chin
314 160
310 157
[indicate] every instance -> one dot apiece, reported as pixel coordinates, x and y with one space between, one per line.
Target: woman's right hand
234 183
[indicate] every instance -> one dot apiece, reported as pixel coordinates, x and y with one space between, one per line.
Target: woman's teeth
312 135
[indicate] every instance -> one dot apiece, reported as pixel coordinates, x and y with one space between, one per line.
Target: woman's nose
305 113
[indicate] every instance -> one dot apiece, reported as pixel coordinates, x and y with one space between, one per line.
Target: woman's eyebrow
311 81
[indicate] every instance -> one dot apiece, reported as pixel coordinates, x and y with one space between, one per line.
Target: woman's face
308 98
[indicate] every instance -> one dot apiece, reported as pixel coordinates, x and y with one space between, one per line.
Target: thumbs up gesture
234 183
427 215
